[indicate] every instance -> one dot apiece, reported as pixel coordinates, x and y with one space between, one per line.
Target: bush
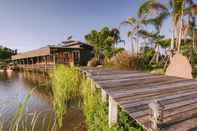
123 60
93 62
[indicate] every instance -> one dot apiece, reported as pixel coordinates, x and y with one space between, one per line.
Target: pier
156 102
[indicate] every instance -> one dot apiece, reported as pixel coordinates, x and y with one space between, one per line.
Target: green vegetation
20 114
5 56
94 110
65 89
104 43
6 53
96 113
72 87
23 121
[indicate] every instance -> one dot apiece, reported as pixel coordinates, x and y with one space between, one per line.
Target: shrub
93 62
123 60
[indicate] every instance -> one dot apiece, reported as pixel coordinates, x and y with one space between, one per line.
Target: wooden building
68 53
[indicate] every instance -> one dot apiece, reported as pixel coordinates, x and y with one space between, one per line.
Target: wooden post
104 95
38 63
156 115
32 63
45 65
113 112
54 59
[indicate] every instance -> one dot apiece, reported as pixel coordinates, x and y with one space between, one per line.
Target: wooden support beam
156 115
45 64
104 95
113 112
54 59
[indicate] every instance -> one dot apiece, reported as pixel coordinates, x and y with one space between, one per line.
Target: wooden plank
155 95
145 112
190 124
134 90
162 88
136 105
136 85
118 76
132 80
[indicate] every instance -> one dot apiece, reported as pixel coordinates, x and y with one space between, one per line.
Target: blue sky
30 24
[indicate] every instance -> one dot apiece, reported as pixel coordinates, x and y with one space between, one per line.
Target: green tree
153 13
135 25
6 53
103 41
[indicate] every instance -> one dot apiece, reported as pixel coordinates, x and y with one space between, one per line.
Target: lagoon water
15 86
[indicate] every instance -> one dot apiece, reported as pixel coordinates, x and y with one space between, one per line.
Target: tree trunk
180 30
157 54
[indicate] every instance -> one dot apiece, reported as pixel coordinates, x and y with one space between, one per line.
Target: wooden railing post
113 112
156 115
103 95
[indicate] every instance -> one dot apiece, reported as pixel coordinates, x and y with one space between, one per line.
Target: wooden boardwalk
133 91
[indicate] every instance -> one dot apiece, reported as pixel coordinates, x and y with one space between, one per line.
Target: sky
31 24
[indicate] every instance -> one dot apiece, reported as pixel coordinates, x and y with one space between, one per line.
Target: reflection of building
69 52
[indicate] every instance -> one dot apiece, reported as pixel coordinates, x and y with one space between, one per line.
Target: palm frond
150 7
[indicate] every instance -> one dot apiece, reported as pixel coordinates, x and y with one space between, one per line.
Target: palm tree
191 12
135 25
176 11
93 39
116 38
153 13
103 42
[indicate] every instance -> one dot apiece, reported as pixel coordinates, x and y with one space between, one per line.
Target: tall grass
20 113
94 109
96 113
24 121
66 90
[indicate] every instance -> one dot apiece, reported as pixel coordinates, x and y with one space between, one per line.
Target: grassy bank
69 86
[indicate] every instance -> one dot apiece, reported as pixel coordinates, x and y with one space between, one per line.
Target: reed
66 90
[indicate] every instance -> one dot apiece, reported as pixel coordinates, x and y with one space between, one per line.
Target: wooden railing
39 67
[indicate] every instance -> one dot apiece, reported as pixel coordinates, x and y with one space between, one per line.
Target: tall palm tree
135 25
153 13
190 11
176 11
116 38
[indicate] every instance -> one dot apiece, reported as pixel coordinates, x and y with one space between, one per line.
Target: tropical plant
6 53
103 41
135 25
153 13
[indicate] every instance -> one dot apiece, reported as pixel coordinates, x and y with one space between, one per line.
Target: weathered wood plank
140 104
133 91
161 89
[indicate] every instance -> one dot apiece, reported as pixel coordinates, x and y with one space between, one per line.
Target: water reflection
14 86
